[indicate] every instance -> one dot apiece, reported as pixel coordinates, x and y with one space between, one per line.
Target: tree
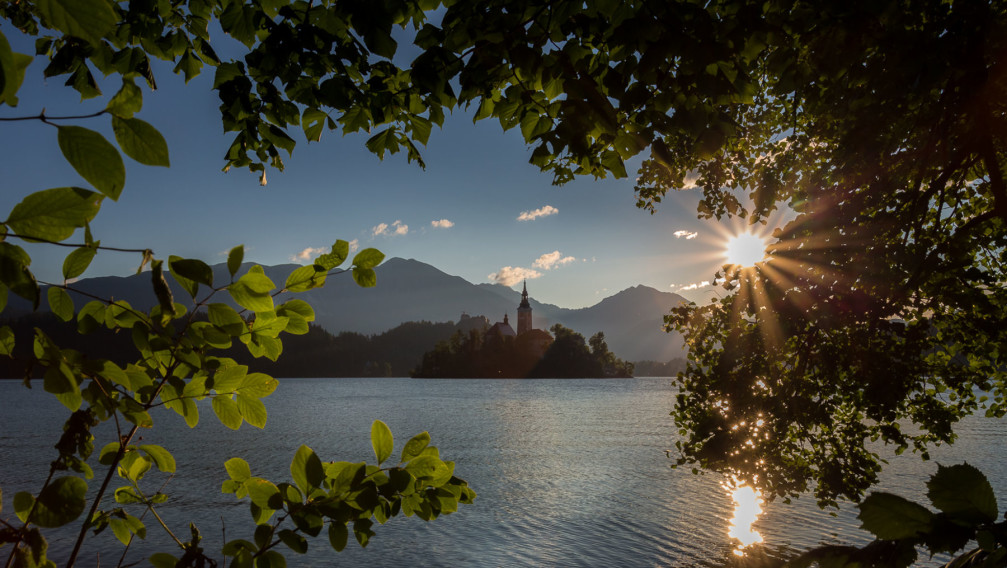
879 127
178 355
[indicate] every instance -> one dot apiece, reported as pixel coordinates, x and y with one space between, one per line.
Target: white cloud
306 254
511 275
354 245
442 224
551 260
694 286
540 212
690 180
396 228
688 236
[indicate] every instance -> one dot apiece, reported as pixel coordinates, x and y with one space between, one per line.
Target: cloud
688 236
354 245
690 180
540 212
551 260
511 275
694 286
306 254
442 224
396 228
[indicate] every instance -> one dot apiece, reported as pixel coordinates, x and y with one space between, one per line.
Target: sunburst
745 249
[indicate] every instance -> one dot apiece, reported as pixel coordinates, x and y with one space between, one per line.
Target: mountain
409 290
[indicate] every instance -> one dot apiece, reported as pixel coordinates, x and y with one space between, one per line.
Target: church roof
502 328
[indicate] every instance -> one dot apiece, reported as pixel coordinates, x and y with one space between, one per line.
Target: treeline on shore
398 352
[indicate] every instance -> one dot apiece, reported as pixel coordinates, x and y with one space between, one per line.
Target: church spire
524 312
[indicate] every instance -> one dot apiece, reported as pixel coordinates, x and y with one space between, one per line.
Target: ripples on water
568 472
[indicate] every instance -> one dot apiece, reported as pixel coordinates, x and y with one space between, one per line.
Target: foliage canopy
878 126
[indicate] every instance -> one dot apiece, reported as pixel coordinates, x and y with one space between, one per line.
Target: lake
568 473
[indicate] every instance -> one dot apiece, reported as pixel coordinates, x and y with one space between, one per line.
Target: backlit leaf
963 491
54 214
60 303
94 158
306 469
252 410
77 262
61 502
227 411
368 258
140 141
162 458
891 517
381 440
89 20
234 258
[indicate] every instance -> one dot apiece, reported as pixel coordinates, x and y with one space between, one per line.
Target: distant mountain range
409 290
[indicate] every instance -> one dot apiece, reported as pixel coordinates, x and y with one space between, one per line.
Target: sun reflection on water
747 508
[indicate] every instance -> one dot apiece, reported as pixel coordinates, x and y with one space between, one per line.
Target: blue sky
479 210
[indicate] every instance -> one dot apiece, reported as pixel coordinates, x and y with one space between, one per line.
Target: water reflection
747 508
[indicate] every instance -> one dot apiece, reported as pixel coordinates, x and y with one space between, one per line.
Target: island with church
480 350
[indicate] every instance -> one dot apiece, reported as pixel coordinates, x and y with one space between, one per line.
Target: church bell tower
524 312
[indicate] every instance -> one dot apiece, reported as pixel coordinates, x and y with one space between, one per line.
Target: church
526 332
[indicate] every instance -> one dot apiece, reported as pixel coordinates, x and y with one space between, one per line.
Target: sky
479 210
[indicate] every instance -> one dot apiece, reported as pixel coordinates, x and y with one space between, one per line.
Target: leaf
12 68
61 502
234 258
415 446
890 517
60 303
313 121
253 291
257 385
140 141
54 214
126 102
381 440
228 320
252 410
338 535
365 277
306 469
89 20
328 261
126 496
368 258
163 560
238 469
77 261
162 458
294 541
227 411
304 278
963 491
262 492
94 158
6 341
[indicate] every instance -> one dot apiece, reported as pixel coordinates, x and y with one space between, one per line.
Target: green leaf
94 158
227 411
368 258
140 141
294 541
415 446
257 385
238 469
962 491
163 560
253 291
12 67
313 121
108 453
127 496
89 20
60 303
338 535
304 278
332 259
890 517
6 341
298 307
234 258
252 410
381 440
161 457
77 261
228 320
306 469
54 214
127 102
365 277
263 493
61 502
189 273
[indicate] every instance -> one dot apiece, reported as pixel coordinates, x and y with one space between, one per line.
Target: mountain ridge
411 290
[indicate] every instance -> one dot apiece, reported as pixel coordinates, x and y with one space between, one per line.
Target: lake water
568 473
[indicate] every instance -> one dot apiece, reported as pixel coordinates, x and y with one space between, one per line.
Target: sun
745 249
